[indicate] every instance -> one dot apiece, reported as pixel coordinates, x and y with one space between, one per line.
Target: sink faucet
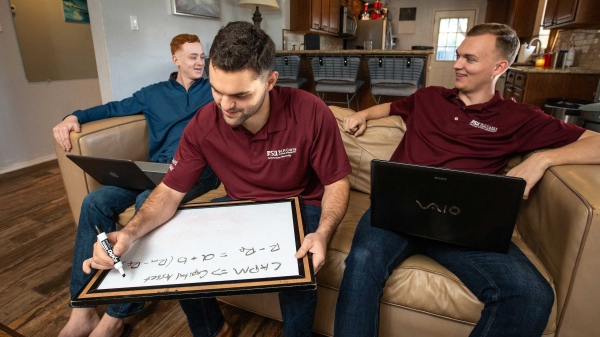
539 47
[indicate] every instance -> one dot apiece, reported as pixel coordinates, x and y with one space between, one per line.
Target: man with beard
239 135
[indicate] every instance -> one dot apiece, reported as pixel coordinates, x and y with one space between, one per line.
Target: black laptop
121 172
475 210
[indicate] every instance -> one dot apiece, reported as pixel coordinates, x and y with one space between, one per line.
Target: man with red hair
168 107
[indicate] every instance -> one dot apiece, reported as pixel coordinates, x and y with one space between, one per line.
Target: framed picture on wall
198 8
76 11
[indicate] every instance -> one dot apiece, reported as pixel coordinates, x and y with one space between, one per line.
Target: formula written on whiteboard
202 245
199 274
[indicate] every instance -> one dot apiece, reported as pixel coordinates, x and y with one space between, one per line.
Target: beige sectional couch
558 228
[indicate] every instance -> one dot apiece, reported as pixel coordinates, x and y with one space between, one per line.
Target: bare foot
109 327
81 323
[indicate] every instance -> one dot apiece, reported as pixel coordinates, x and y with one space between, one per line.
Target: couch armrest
561 224
119 137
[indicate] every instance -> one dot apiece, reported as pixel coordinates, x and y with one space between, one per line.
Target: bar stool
336 74
205 72
288 67
394 75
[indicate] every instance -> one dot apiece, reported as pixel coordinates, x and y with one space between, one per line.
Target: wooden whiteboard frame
91 295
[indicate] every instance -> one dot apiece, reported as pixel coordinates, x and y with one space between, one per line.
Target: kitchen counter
571 70
355 52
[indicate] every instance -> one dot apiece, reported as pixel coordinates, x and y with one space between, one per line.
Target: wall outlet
0 27
134 22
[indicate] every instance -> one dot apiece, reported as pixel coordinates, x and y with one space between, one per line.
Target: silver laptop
121 172
465 208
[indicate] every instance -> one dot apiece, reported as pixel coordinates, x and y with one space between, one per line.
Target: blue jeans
297 307
517 299
102 207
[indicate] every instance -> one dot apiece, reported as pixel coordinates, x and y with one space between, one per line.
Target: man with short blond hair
168 107
469 128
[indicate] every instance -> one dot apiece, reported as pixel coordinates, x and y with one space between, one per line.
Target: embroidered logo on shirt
482 126
278 154
173 164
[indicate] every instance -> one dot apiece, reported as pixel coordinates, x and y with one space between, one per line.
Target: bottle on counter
365 14
547 60
376 10
570 56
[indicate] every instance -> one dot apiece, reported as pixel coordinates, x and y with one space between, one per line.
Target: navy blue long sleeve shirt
168 109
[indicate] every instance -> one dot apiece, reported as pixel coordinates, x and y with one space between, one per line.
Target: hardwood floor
37 234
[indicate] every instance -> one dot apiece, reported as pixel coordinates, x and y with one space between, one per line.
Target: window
451 35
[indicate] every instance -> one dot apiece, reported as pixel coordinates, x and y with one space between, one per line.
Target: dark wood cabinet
565 11
549 15
496 11
535 88
325 15
572 14
322 16
334 16
519 14
315 13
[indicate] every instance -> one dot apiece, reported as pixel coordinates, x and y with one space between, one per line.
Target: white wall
425 13
28 111
128 60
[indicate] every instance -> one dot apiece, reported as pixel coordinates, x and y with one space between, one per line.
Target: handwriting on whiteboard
205 245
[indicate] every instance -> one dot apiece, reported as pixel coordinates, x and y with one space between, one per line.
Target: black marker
109 249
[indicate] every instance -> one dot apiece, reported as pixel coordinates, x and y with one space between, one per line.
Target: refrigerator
379 31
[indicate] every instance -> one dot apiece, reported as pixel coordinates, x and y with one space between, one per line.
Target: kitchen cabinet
321 16
571 14
519 14
334 16
325 15
535 87
549 14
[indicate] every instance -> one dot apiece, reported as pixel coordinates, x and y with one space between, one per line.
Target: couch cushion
379 141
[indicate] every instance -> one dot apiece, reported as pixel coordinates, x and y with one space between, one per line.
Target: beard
245 113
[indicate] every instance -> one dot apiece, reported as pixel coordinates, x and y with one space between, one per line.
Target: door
449 30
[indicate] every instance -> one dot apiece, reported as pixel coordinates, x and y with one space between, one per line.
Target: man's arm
357 123
156 210
62 130
333 208
128 106
586 150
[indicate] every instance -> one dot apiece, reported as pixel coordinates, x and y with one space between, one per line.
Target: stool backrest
205 72
335 68
395 69
287 66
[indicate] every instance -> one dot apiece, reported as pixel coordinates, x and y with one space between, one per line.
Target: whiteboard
208 250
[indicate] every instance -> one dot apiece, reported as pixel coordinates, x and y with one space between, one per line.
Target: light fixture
269 5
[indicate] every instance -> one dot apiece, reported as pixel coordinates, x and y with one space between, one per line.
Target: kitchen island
364 94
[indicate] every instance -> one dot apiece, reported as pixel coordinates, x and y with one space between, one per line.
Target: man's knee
535 296
360 258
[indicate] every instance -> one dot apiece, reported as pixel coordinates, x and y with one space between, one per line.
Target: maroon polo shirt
442 131
296 152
